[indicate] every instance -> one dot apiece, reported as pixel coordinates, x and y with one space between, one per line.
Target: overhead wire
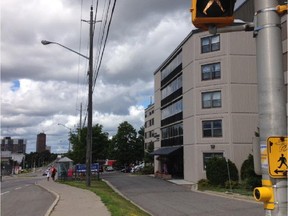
100 57
78 74
101 37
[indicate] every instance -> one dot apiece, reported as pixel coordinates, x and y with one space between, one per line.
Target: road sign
277 156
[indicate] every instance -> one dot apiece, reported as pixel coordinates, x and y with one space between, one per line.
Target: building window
212 128
210 44
172 87
172 109
177 60
172 131
211 71
208 156
211 99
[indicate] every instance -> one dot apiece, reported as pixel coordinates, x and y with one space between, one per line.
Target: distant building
13 145
41 142
12 155
48 148
149 134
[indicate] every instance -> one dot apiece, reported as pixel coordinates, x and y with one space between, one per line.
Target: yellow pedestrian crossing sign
277 156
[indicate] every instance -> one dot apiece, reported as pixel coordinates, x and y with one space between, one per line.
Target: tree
39 159
139 147
148 158
217 172
127 148
248 175
100 144
78 142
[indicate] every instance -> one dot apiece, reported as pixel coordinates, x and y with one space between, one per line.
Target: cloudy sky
44 86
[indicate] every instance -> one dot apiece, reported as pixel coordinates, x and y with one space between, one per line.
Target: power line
105 42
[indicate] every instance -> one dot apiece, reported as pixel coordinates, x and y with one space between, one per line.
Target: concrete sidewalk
73 201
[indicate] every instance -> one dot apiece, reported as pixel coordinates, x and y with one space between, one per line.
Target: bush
203 183
147 170
248 175
234 184
217 172
253 182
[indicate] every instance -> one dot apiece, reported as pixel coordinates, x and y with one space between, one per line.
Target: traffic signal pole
271 93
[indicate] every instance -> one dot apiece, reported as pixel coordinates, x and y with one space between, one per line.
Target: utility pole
90 92
271 93
80 124
90 106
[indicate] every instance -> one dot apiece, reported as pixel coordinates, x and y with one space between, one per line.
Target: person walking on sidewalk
48 175
53 172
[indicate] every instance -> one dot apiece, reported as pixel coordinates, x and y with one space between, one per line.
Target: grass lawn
116 204
241 191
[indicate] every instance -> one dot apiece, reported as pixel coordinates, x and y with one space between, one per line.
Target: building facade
41 142
13 145
206 102
12 155
149 135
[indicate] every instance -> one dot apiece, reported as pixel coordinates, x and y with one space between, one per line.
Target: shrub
217 172
248 175
203 183
234 184
147 170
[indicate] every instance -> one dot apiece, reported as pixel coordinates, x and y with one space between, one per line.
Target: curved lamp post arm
65 126
70 130
45 42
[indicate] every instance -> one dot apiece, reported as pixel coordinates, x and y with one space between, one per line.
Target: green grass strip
116 204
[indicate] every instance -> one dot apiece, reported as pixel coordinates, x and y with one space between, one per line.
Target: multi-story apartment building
13 145
206 102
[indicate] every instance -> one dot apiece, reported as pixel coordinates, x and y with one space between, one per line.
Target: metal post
271 92
90 106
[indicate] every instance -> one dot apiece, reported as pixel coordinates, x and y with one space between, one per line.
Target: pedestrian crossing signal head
207 13
265 194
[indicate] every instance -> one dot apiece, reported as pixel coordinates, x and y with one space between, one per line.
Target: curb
51 208
229 196
122 195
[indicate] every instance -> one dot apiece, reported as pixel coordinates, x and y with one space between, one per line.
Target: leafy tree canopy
127 146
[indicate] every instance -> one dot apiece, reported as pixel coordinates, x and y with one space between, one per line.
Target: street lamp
45 42
70 133
90 92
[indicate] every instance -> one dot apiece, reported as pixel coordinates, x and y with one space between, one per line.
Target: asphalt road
162 198
20 196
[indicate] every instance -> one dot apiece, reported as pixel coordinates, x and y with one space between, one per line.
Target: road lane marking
18 188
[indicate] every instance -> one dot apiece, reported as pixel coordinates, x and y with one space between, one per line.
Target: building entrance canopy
166 150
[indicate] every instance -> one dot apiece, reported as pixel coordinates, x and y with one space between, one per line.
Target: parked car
137 168
126 169
109 168
45 172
